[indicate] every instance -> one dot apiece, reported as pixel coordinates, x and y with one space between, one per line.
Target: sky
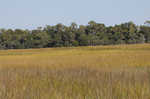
30 14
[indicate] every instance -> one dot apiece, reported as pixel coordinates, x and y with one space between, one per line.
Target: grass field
100 72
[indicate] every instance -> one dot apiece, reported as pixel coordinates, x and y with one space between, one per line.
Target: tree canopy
74 35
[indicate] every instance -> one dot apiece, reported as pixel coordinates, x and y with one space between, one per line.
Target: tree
145 30
83 40
40 39
60 35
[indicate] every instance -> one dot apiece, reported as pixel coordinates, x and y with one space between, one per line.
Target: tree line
83 35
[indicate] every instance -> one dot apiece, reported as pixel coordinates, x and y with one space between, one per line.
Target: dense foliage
74 35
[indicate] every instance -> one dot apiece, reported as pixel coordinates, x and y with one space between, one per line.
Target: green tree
145 30
40 39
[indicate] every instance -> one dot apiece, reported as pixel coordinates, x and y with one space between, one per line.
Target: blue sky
29 14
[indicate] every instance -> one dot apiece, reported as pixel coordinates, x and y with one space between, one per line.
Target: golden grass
99 56
99 72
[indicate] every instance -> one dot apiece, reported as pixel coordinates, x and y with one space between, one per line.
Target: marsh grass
76 73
